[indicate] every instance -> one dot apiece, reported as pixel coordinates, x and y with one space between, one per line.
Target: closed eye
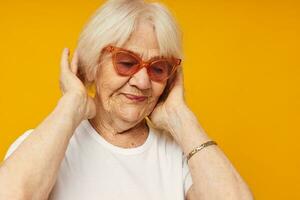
127 64
158 70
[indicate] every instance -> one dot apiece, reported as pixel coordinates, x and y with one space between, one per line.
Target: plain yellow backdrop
241 72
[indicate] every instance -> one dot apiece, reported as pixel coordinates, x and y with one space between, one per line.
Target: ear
92 73
90 83
86 72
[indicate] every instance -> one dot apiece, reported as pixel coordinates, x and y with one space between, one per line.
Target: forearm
213 175
31 170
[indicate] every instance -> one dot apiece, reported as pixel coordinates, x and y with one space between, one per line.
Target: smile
135 98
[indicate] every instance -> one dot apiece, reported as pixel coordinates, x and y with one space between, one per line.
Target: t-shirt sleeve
187 178
16 143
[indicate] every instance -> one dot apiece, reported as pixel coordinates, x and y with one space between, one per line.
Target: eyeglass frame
172 60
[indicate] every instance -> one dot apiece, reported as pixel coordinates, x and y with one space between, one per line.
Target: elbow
240 192
244 193
235 195
17 189
20 195
16 194
248 195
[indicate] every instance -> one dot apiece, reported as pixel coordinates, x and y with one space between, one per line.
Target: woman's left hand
164 114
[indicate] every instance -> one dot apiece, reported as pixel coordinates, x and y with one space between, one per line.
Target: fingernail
67 50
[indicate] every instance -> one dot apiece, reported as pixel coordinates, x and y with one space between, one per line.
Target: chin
132 115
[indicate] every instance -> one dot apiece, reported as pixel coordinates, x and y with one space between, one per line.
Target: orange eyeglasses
127 63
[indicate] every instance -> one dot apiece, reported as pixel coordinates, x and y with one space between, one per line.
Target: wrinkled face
133 98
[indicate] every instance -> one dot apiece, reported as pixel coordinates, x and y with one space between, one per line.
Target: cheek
158 89
108 83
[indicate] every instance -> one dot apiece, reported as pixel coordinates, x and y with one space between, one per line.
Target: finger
74 63
179 77
61 86
64 63
177 85
179 82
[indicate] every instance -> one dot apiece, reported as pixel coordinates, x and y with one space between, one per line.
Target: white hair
115 21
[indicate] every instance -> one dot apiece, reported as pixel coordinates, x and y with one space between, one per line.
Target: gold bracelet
198 148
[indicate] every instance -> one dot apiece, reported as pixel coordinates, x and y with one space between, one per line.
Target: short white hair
115 21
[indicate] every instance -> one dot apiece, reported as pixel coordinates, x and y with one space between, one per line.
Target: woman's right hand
73 88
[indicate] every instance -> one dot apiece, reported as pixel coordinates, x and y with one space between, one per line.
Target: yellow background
241 77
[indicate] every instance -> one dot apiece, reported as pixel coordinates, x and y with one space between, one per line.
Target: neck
126 137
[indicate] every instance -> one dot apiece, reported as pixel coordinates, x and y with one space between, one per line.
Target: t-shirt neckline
126 151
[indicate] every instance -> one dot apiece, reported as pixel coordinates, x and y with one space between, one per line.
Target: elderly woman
135 138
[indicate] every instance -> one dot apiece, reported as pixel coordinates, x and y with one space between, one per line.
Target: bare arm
30 172
214 177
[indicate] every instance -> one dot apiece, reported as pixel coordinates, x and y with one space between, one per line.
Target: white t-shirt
94 169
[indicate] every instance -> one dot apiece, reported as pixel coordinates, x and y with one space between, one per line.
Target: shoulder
17 142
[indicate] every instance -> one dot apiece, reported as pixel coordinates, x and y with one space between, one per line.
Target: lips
135 97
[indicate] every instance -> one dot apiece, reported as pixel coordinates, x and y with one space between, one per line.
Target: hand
164 114
71 85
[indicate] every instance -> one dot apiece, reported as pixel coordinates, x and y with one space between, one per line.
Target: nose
141 79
